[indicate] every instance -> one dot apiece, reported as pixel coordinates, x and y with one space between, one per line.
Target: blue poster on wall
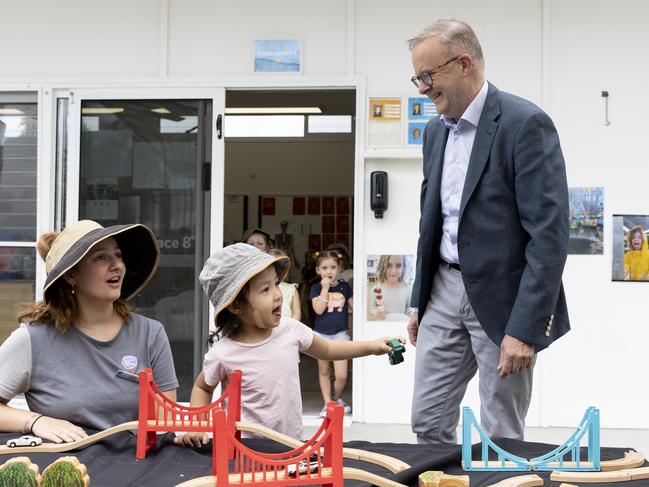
421 108
416 133
278 56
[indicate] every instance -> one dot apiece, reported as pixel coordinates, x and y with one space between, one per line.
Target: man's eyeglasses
427 76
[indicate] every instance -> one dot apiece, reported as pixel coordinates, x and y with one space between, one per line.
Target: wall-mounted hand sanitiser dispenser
379 192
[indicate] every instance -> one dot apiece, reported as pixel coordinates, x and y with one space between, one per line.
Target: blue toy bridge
554 460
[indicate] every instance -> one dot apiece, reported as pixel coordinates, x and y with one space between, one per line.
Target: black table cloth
112 463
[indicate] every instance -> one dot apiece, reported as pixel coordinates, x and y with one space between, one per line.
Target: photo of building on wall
586 220
389 286
630 248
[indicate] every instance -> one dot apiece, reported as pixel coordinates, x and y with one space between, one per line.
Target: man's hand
515 356
413 328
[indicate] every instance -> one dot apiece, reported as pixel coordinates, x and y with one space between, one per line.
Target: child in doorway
391 295
242 284
291 306
331 299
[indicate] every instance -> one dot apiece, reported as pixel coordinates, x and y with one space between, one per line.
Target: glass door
149 160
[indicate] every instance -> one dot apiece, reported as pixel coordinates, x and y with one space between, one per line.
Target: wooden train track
72 445
348 474
531 480
394 465
601 477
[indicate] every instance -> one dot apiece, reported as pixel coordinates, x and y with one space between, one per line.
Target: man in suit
493 240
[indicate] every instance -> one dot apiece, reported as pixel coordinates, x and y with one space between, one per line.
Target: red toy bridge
319 461
158 413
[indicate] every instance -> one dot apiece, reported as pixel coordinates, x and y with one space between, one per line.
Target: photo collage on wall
389 286
384 121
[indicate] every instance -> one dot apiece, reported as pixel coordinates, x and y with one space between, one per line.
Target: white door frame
189 88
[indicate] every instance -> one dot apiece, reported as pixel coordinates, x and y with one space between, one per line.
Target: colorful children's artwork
586 220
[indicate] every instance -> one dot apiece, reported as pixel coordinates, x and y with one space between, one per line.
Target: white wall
556 53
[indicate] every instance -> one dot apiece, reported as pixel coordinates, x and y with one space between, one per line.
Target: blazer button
547 333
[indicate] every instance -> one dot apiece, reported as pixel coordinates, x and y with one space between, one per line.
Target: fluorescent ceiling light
264 126
271 110
101 111
160 110
11 111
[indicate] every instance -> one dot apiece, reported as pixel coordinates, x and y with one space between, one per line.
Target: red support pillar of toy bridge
234 407
333 447
222 449
146 438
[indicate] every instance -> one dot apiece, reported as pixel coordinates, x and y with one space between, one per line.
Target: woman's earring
72 290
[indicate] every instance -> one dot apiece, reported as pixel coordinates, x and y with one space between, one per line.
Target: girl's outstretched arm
201 396
344 349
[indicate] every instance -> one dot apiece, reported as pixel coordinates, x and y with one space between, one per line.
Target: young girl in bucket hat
251 335
65 353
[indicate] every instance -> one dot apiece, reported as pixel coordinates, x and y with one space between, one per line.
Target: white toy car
27 440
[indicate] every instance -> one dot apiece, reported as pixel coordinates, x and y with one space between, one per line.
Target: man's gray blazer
513 225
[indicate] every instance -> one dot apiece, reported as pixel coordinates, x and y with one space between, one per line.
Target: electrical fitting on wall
605 96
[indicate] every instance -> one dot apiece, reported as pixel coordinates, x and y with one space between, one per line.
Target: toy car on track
27 440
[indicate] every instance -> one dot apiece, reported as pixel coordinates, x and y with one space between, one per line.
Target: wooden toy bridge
158 413
553 460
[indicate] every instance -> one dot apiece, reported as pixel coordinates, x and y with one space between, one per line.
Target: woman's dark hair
228 323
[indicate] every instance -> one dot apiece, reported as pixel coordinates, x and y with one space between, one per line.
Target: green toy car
396 354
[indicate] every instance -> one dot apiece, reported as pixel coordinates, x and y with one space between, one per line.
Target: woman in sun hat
69 346
242 283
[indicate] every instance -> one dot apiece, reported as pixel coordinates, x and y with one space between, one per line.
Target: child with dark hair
331 299
252 336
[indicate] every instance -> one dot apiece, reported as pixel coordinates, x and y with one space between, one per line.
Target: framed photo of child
389 286
630 249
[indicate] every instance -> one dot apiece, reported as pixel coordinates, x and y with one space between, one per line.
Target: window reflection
139 163
18 152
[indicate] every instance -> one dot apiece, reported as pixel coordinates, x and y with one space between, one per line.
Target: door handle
219 126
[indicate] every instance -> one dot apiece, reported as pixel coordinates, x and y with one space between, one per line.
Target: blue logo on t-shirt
129 362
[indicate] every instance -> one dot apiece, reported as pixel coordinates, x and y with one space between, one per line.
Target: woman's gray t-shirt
72 376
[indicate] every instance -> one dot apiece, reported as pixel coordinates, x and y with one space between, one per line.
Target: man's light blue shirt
456 162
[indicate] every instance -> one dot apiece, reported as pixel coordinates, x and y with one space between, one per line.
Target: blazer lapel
481 145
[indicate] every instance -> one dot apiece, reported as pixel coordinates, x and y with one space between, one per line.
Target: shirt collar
473 111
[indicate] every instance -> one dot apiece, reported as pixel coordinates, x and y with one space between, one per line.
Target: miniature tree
17 474
65 472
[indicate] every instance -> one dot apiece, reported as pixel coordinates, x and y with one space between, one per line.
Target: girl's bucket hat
229 269
138 244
